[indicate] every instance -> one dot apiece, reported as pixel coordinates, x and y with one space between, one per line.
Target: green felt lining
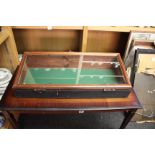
70 76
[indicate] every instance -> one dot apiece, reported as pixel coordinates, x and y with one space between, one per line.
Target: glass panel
71 69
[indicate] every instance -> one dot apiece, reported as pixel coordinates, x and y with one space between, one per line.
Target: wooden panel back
45 40
101 41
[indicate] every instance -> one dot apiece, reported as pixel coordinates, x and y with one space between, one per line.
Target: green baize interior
70 76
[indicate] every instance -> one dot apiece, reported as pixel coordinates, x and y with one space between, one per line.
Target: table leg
127 118
11 119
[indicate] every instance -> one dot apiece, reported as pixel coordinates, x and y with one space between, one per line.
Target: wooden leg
127 118
125 113
11 119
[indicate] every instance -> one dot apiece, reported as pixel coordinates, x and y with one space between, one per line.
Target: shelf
95 28
121 28
48 27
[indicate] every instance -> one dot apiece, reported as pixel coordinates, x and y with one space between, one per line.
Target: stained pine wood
3 37
11 47
84 39
5 59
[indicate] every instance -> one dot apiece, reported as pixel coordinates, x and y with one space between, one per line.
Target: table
10 104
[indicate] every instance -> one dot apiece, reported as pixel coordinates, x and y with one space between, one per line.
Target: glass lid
71 70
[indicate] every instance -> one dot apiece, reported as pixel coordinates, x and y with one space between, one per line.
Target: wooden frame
121 86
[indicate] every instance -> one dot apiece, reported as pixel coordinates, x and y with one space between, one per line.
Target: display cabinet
71 75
